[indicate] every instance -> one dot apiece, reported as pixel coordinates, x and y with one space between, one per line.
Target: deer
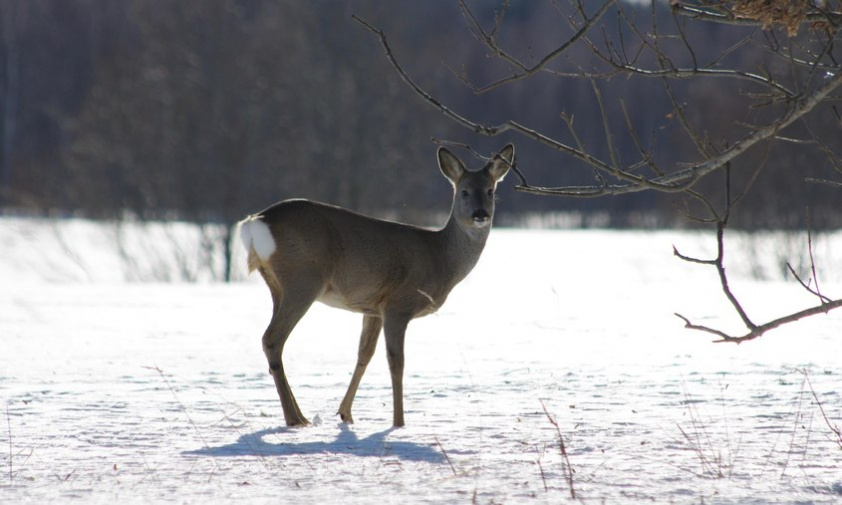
389 272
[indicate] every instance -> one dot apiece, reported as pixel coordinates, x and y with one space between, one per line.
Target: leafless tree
775 63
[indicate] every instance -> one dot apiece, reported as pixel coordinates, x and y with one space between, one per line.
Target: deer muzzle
481 216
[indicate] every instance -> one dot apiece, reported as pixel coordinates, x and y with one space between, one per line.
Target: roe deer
390 272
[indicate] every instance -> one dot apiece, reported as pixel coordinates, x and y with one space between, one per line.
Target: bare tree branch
799 75
522 70
754 330
762 329
682 179
677 181
806 285
824 181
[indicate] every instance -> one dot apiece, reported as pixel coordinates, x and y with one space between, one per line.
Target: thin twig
703 147
254 447
461 145
796 422
806 285
691 259
426 96
646 156
706 329
541 469
184 410
700 441
446 457
754 175
834 429
565 460
606 125
812 259
828 182
9 425
523 71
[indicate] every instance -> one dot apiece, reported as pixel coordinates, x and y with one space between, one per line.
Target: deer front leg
395 329
368 343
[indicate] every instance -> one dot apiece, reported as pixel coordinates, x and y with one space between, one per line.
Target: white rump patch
256 234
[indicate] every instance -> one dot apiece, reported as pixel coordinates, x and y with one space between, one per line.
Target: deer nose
480 216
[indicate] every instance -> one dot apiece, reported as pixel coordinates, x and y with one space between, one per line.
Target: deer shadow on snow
346 442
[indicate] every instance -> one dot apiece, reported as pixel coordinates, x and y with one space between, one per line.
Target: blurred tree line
210 110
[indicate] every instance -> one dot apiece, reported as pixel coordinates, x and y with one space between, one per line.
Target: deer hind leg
368 342
395 330
290 305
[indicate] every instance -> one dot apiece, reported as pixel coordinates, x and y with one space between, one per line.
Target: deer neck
463 246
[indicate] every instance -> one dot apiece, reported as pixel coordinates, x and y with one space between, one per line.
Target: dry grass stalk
565 460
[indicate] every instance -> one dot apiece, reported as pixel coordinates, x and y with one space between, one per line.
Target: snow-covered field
130 392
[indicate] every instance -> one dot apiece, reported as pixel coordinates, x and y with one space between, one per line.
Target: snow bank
79 250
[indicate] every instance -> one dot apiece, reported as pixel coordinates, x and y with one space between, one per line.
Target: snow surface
131 392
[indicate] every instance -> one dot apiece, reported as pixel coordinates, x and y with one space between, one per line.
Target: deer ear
502 162
450 165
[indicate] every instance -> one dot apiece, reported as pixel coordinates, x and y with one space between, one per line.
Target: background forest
208 111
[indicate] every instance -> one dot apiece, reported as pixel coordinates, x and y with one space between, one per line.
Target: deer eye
491 192
465 192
